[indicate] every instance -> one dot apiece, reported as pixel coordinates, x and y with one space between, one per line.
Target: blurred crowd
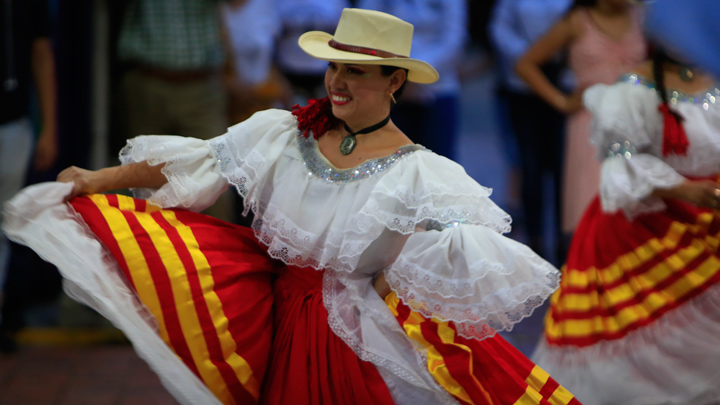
195 67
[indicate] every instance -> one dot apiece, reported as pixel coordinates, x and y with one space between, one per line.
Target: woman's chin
339 112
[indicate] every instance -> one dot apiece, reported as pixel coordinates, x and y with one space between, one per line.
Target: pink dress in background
595 57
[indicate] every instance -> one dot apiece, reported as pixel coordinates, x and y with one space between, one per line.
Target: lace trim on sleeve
473 277
244 158
482 319
192 182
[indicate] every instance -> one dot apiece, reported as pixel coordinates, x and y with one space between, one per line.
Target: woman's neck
611 9
358 124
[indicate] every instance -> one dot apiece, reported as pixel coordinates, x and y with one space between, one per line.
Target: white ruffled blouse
628 131
414 215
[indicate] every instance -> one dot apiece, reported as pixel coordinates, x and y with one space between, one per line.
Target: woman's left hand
571 103
703 193
381 286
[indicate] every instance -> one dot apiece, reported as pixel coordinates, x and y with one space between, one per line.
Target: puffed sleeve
198 171
457 266
627 130
472 276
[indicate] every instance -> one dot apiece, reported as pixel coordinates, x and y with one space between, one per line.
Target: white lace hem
672 361
38 217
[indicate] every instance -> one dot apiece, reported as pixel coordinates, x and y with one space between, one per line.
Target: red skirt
256 331
622 275
309 363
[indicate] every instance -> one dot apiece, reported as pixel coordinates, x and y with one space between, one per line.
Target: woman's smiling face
360 94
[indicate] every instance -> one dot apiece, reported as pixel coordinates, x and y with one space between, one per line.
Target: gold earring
392 97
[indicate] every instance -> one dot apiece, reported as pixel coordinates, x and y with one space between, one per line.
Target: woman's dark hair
583 3
675 139
658 60
579 4
389 70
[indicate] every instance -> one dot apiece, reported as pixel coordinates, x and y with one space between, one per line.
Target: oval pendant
686 74
347 145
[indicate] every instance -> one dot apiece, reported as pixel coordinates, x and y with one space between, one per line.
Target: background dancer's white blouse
627 131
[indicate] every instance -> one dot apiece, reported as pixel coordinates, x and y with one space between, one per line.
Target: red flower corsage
316 117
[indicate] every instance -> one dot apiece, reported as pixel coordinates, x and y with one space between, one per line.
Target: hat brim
315 44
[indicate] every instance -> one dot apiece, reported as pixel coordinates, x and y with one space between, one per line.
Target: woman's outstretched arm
528 67
134 175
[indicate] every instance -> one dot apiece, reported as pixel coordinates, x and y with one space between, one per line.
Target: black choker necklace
347 145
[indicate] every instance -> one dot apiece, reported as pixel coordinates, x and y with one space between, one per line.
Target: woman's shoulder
426 172
428 185
266 124
644 69
576 16
268 117
576 21
264 135
427 159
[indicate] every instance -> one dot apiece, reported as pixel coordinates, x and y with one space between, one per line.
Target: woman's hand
381 286
85 181
570 104
528 67
133 175
703 193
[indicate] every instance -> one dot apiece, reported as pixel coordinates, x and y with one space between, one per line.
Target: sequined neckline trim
704 98
320 167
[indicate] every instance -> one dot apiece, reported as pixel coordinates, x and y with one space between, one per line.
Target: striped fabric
211 295
622 275
490 371
209 286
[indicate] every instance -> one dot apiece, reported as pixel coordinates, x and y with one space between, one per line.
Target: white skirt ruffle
39 218
673 361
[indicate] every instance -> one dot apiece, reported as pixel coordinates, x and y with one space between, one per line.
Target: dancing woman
637 317
375 270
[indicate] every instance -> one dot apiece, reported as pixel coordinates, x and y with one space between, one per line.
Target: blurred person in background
431 113
175 53
538 128
637 316
27 62
479 14
603 39
305 74
252 80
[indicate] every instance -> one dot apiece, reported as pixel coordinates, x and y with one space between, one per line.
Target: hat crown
375 30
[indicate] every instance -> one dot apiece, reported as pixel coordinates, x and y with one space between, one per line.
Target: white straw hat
371 38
